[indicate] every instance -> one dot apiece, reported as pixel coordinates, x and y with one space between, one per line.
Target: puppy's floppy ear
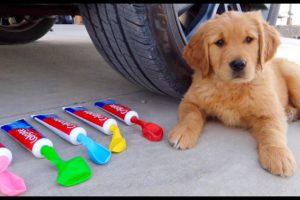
269 40
196 53
270 43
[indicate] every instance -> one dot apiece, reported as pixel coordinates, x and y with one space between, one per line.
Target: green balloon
71 172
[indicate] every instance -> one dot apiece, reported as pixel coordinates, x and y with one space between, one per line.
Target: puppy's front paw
183 137
277 160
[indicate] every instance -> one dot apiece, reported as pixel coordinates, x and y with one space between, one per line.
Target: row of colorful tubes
75 170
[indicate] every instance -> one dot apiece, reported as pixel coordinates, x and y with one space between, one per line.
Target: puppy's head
233 46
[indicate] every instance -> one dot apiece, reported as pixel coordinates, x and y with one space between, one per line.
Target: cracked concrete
63 68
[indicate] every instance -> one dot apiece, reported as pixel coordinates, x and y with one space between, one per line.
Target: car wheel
23 29
144 43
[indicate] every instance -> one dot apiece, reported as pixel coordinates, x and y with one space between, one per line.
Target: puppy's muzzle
237 66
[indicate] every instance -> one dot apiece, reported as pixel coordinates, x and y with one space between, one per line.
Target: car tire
143 43
26 35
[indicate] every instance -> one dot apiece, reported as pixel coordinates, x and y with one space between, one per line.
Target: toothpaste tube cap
128 117
36 149
107 125
74 134
6 152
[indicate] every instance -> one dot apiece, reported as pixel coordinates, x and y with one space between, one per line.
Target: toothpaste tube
121 112
98 121
27 136
5 152
62 128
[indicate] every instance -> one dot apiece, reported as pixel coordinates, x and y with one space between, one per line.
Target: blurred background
289 14
68 19
288 21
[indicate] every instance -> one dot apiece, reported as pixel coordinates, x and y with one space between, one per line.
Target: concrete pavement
64 68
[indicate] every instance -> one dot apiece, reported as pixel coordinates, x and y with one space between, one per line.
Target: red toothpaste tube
27 136
150 130
98 121
64 129
121 112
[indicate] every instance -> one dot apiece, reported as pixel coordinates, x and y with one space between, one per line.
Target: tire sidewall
170 44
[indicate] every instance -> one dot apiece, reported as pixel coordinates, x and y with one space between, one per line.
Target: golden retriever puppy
237 81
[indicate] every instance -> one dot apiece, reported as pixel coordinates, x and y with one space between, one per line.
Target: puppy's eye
248 39
219 42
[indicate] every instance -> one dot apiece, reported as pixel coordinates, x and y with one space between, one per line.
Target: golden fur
261 99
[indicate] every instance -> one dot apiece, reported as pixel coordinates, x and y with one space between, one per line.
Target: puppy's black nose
237 65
